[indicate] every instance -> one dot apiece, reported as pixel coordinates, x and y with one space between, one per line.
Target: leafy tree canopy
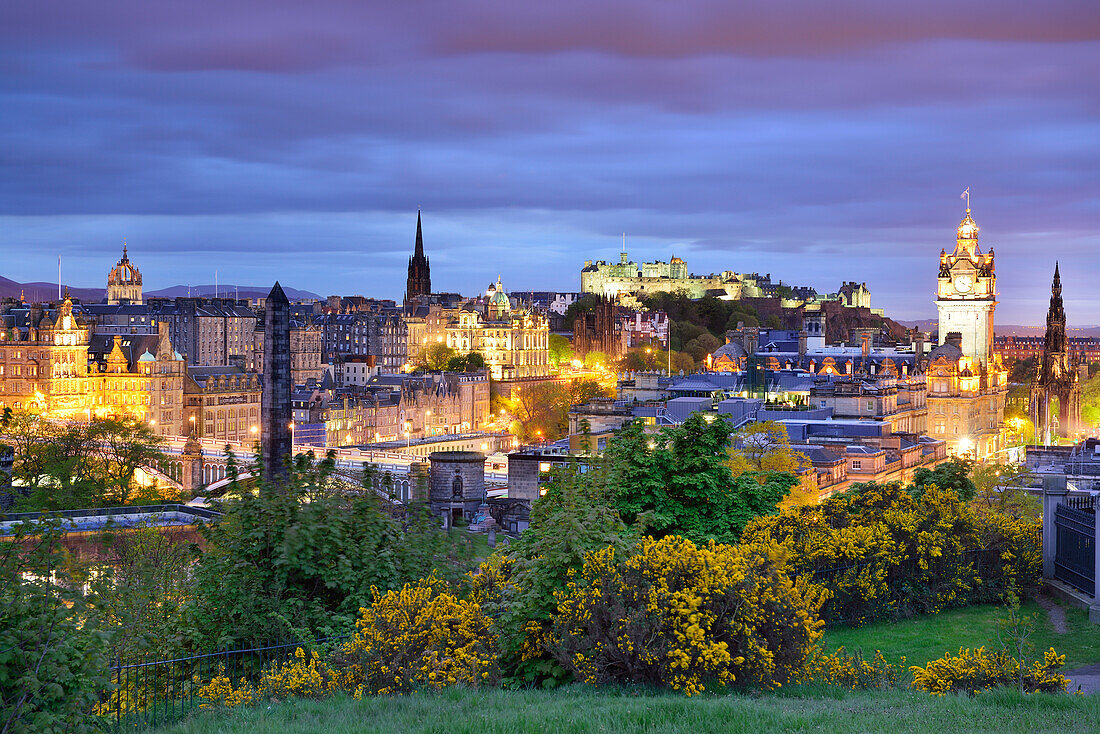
679 481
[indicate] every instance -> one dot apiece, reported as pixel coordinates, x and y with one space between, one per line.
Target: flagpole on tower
966 195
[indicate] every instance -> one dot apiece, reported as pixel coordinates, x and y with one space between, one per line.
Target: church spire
419 282
418 250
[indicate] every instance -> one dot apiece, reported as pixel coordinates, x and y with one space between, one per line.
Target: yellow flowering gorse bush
976 670
683 616
305 675
419 636
883 554
851 671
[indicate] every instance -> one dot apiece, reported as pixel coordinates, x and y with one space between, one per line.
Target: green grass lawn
580 709
929 637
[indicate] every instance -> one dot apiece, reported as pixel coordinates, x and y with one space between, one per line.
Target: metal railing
148 693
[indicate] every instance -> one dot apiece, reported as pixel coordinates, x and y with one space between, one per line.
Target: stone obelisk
276 415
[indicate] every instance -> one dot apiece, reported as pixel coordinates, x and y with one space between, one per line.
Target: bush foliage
881 553
677 615
972 671
421 636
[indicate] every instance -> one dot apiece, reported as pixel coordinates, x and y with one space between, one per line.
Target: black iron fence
147 693
1075 544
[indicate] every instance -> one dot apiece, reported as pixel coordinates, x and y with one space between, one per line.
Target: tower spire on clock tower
967 292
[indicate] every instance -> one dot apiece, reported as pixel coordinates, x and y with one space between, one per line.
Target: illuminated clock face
964 283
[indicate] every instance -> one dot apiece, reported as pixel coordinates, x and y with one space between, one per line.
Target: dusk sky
817 141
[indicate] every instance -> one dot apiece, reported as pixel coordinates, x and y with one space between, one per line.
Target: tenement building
967 382
223 403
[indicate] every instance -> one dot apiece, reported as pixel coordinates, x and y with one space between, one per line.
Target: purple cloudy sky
818 141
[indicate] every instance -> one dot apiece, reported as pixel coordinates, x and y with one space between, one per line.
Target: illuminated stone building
628 277
967 383
138 376
407 407
124 282
514 343
223 403
51 362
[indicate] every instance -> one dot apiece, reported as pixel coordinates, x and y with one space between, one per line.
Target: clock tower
967 294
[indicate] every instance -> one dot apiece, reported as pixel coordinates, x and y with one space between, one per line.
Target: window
856 464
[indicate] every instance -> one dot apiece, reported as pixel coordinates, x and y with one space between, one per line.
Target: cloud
819 142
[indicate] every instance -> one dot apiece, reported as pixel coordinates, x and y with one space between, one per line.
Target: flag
964 194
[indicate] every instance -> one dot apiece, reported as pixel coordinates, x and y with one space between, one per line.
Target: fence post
1094 608
1054 491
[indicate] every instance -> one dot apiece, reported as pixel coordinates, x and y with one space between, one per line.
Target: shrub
851 671
52 666
305 675
516 586
677 615
419 636
978 670
881 553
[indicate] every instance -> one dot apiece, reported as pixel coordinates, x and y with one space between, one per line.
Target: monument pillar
191 478
275 414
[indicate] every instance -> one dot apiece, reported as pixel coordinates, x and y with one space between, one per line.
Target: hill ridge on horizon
48 291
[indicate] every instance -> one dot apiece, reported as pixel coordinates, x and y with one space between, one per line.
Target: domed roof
968 230
147 357
675 261
733 350
499 297
949 351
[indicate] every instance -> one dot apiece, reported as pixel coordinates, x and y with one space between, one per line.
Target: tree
52 664
678 481
583 391
1022 371
139 588
953 474
541 411
471 362
561 351
435 356
999 488
573 518
127 446
763 446
701 346
78 465
276 565
32 437
596 359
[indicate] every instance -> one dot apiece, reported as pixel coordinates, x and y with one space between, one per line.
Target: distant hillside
228 291
45 291
48 291
1011 329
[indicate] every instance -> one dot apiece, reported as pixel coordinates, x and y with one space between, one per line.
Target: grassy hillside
929 637
580 709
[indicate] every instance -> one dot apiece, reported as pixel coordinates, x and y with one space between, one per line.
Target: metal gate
1074 552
